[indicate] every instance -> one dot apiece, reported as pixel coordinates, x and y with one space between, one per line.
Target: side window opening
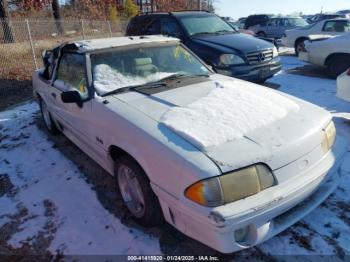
336 26
153 27
71 71
49 61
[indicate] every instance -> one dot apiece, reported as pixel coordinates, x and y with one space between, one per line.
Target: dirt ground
13 92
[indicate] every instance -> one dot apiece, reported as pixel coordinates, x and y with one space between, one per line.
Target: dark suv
214 41
253 20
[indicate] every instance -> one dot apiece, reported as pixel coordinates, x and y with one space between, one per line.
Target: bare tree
8 36
57 15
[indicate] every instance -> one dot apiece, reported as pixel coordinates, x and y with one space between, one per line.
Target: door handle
54 95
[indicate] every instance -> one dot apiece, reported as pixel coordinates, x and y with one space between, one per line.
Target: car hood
238 42
276 145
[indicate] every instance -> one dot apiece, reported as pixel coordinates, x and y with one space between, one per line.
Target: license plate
264 72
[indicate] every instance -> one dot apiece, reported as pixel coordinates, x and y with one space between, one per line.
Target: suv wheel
47 118
137 193
261 34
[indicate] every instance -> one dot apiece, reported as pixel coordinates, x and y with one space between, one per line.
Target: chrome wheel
46 116
131 191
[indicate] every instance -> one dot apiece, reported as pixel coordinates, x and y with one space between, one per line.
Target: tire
261 34
338 65
299 45
262 81
47 118
136 192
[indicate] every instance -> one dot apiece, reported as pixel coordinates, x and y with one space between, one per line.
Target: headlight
230 59
231 187
275 52
329 134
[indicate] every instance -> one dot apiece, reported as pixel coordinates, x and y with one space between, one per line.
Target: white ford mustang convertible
226 162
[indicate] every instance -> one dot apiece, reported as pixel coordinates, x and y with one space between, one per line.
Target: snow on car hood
274 128
227 113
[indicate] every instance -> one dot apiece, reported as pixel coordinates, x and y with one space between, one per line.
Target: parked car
241 22
307 17
235 26
276 27
249 32
344 12
343 86
228 19
153 115
321 17
253 20
214 41
296 37
333 54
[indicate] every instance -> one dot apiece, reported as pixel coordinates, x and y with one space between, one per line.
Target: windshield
300 22
208 24
307 27
112 70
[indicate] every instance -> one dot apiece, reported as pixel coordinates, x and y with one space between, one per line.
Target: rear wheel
47 118
137 193
338 65
300 46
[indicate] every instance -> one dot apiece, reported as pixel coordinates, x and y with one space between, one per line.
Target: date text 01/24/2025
173 258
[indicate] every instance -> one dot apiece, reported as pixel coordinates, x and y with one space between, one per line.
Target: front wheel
338 65
137 193
48 120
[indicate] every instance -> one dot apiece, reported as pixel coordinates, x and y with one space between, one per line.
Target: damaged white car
332 53
226 162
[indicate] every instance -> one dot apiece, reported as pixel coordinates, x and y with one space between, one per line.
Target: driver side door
73 117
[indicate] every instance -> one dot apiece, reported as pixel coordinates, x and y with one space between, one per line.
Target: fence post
110 28
31 44
82 28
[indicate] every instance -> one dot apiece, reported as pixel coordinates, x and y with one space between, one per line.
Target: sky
241 8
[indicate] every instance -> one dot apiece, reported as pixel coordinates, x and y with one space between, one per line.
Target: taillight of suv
348 72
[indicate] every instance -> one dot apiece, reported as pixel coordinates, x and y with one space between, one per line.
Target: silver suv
275 27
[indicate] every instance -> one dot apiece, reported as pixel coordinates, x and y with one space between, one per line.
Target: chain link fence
23 41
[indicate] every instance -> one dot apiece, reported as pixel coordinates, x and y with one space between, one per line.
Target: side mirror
72 97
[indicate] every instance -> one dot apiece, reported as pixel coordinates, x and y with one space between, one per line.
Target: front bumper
253 73
284 207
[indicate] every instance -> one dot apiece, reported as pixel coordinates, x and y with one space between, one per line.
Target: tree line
91 9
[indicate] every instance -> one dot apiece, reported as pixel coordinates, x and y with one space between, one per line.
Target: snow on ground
229 106
45 201
55 197
327 229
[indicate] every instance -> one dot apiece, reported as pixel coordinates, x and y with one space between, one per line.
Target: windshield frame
180 20
130 47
